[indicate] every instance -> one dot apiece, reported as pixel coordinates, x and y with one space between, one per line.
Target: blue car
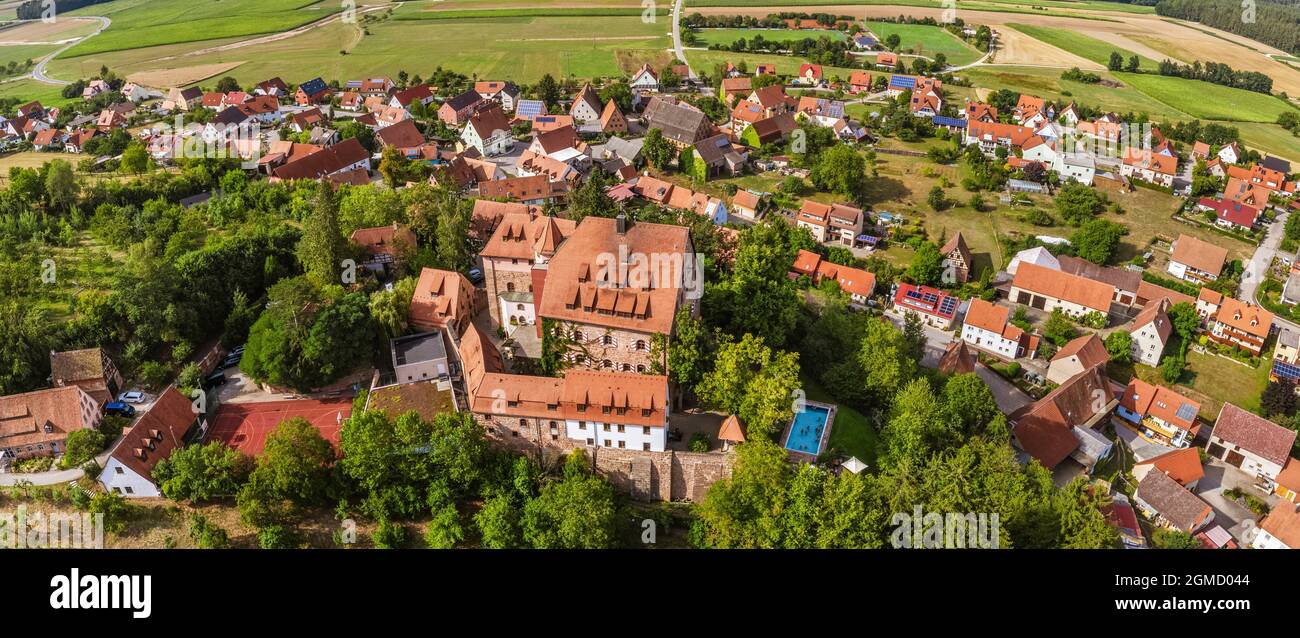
118 408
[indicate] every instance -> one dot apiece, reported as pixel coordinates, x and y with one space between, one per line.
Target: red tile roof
1254 433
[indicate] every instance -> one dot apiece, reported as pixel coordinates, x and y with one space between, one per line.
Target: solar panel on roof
1286 371
931 297
1186 412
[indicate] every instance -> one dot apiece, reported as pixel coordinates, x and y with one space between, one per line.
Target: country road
677 38
38 73
1257 268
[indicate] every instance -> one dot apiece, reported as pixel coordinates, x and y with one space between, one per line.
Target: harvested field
182 76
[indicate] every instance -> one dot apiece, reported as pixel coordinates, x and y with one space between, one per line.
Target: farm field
1208 101
1079 44
926 41
728 36
28 89
520 48
1047 83
137 23
20 53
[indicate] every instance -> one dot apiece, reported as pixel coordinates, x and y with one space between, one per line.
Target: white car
134 396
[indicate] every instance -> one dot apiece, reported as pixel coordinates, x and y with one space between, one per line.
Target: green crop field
137 23
927 40
1047 83
1081 45
728 36
1208 101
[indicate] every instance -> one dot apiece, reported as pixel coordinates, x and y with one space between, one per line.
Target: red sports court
245 426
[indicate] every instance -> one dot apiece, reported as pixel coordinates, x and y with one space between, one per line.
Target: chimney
621 223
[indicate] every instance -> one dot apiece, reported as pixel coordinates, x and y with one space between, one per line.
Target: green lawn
1081 45
927 40
1269 138
729 36
1047 83
28 89
137 23
851 433
1208 101
1212 380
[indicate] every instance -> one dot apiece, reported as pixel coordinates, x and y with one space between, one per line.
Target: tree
307 338
391 308
61 186
937 199
25 348
918 424
364 135
658 151
1134 62
744 510
1120 346
321 246
754 382
135 159
926 268
1058 329
1171 369
689 351
841 170
1077 203
759 298
498 523
576 512
1165 538
452 244
227 84
295 464
1185 320
969 399
444 530
202 472
590 198
1278 399
1116 61
206 534
548 91
1097 239
81 446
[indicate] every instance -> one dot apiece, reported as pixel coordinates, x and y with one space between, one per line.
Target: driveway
1234 517
1259 263
1008 397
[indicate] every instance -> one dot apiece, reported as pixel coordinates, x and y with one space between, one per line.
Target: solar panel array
1283 370
1186 412
528 108
949 306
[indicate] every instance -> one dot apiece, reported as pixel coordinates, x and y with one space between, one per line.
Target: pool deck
804 457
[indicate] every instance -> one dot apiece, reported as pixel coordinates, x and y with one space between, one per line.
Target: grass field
1081 45
137 23
927 40
704 61
1047 83
851 433
1208 101
1212 380
28 89
728 36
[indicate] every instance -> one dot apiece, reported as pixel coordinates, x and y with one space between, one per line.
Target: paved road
677 38
38 73
1257 268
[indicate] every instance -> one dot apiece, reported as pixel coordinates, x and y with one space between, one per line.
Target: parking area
1231 515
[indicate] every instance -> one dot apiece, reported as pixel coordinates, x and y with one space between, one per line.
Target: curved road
677 37
38 73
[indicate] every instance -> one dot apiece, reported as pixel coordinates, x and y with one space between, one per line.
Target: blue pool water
806 432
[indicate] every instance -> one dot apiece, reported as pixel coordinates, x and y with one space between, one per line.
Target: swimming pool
807 428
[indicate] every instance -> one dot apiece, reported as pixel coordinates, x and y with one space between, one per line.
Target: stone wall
650 476
502 276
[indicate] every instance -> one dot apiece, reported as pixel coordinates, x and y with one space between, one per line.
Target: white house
645 79
162 430
986 328
1256 445
419 357
488 131
1150 331
1280 529
1230 154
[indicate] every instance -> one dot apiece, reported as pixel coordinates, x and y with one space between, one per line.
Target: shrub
206 534
699 442
388 535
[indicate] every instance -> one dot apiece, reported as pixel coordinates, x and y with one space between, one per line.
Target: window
510 286
640 345
627 367
607 340
590 442
645 447
522 423
622 444
640 368
604 409
645 412
129 490
552 407
645 430
519 307
120 470
607 364
606 427
609 443
620 429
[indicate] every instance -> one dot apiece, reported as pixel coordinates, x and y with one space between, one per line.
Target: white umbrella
854 465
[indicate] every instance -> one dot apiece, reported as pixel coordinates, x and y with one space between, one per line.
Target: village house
505 93
345 157
404 136
158 433
1182 465
1231 154
1147 166
809 74
1280 529
987 327
586 108
718 157
736 88
681 124
1241 191
1162 499
1151 331
1239 324
1125 283
831 223
858 284
520 244
745 204
408 97
38 423
531 189
314 91
887 60
420 357
442 299
859 82
1078 355
957 259
183 99
488 130
991 135
1250 442
934 307
645 79
1061 425
1196 260
1047 290
612 120
1288 481
90 369
456 111
1232 215
1159 413
386 246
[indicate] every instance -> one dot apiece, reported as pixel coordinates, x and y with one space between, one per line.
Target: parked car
215 379
231 361
117 408
134 396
